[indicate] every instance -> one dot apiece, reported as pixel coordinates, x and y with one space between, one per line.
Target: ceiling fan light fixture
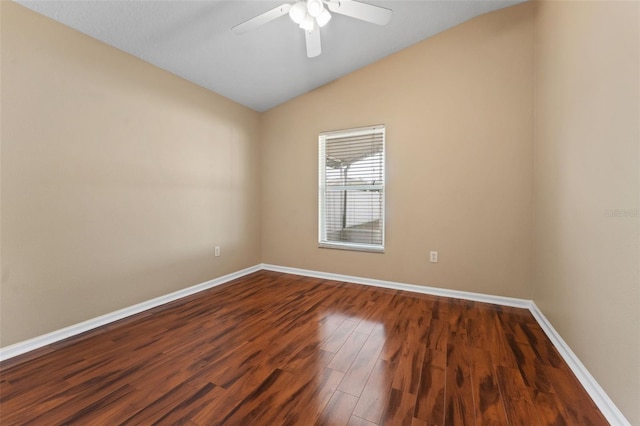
308 23
323 18
315 7
311 15
298 12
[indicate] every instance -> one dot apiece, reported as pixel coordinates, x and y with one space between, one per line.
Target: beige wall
587 162
458 113
117 179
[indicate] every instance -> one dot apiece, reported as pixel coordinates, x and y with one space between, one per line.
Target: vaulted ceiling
264 67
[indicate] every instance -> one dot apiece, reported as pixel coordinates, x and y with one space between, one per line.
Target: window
351 189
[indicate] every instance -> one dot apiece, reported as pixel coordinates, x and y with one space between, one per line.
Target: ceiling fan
311 15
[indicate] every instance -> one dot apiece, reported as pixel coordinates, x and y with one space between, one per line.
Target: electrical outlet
217 251
433 257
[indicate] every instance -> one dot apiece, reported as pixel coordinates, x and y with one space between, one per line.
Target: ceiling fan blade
363 11
262 19
314 47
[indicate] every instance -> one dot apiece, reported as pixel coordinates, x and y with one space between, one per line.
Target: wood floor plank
487 398
335 341
419 422
254 377
456 318
356 377
574 404
348 352
278 386
518 404
373 398
90 413
399 409
279 349
308 357
316 394
112 413
430 398
481 329
541 345
397 326
501 351
176 406
548 410
359 421
338 410
379 304
437 335
531 368
459 402
409 366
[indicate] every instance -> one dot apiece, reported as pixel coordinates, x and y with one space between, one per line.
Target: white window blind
351 189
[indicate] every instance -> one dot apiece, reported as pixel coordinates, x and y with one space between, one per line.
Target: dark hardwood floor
277 349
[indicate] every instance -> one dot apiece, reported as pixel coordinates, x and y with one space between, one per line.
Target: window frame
341 245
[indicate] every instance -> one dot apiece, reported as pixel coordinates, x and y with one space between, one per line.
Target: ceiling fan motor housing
311 15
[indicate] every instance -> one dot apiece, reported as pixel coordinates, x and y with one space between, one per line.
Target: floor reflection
351 378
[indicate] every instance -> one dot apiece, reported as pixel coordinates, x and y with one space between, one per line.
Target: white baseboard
599 396
76 329
456 294
593 388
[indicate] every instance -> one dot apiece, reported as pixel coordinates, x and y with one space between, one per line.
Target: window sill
352 247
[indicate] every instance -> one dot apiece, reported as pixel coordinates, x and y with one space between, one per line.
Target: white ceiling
262 68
